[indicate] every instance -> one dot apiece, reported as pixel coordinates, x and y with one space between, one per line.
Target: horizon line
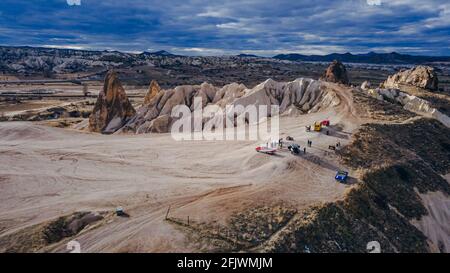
138 52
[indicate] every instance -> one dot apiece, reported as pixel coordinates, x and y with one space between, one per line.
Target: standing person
304 150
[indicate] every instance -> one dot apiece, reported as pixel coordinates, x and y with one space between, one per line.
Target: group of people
308 143
280 144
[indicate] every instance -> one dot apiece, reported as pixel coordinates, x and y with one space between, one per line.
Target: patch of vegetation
347 226
396 185
56 230
37 237
378 144
258 224
27 240
243 231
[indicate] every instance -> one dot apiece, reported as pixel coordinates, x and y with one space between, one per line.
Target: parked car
325 122
294 148
341 176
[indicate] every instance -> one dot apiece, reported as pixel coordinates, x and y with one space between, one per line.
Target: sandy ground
48 172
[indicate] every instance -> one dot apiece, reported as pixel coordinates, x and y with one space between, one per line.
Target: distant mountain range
371 57
159 53
248 56
34 60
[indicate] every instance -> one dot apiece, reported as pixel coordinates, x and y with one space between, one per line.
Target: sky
202 27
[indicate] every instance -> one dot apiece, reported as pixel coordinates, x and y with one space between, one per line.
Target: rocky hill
113 112
371 57
171 70
112 108
336 72
29 60
419 76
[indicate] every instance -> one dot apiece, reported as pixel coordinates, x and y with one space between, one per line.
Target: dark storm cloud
212 27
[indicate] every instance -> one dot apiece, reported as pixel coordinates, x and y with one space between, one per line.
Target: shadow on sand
336 131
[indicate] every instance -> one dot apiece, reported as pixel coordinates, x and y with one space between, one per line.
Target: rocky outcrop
112 109
409 102
307 95
296 97
153 90
163 103
419 76
336 73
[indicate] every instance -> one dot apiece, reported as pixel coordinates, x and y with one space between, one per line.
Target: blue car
341 176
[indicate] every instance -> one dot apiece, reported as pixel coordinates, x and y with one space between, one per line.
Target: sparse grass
243 231
56 230
380 110
381 144
37 237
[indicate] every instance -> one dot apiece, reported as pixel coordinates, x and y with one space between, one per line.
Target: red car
266 150
325 122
